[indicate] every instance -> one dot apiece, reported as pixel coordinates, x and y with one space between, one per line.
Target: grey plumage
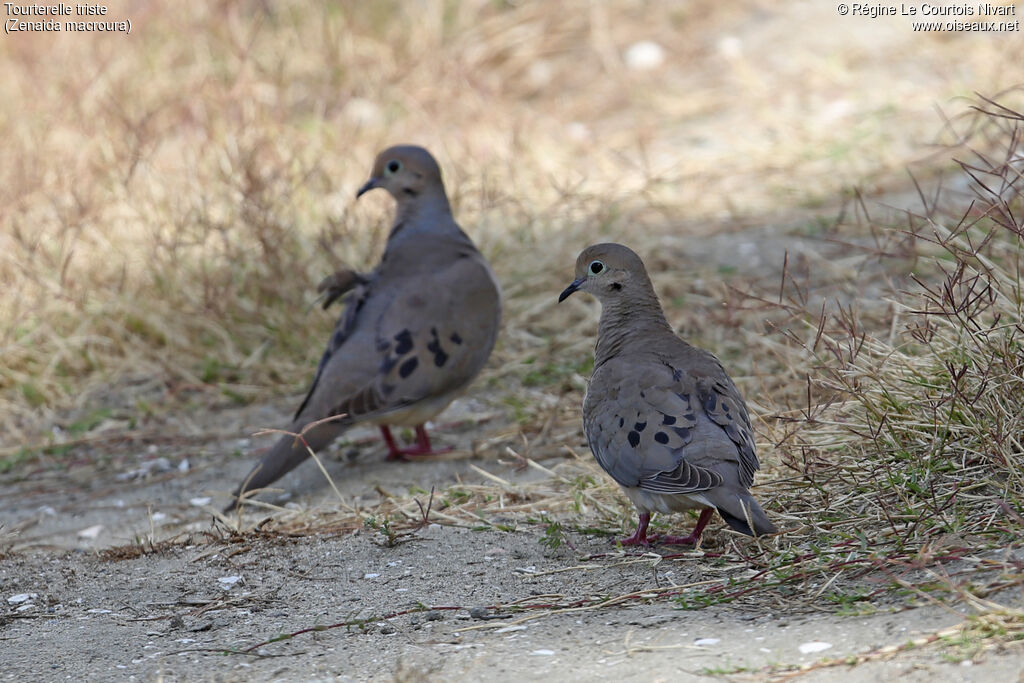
662 417
415 331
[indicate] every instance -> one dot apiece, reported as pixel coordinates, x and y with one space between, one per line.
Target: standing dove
661 416
414 333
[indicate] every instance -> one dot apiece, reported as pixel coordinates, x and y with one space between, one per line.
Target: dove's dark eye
596 267
394 166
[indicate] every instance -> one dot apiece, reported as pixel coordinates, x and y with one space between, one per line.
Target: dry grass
169 203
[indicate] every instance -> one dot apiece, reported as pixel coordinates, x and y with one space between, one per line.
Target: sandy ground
70 612
169 615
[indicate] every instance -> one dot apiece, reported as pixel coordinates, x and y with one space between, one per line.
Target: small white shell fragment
509 629
370 576
644 55
228 581
543 653
22 597
702 642
199 501
91 532
814 646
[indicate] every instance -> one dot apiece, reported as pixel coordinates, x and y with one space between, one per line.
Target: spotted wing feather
409 347
721 401
639 432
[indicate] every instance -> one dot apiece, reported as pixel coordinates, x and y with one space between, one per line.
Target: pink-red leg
694 537
422 447
639 536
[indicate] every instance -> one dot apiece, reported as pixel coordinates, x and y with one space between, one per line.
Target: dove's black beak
370 184
570 289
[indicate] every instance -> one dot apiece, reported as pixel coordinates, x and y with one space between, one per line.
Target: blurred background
831 204
169 198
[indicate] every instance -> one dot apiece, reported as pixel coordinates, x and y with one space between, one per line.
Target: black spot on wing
683 432
710 402
668 420
634 439
434 346
622 421
403 342
456 339
661 437
408 367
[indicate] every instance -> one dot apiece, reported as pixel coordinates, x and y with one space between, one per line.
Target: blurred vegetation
170 196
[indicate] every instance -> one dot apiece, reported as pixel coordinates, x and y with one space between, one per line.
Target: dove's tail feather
288 453
752 515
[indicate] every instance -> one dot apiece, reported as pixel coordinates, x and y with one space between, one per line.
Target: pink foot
693 538
421 449
639 536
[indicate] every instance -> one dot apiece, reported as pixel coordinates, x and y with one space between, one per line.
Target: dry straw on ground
168 204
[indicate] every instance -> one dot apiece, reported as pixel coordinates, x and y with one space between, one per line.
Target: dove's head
406 172
609 271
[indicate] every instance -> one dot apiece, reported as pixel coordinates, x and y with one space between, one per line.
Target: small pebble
814 646
227 582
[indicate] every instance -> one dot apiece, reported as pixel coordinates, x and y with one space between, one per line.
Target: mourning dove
415 331
661 416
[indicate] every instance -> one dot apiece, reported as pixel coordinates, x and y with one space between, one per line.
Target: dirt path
167 617
72 612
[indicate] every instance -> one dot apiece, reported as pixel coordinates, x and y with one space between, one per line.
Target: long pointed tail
753 522
288 453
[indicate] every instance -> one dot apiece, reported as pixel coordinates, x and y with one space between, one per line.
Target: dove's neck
629 324
424 234
425 210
